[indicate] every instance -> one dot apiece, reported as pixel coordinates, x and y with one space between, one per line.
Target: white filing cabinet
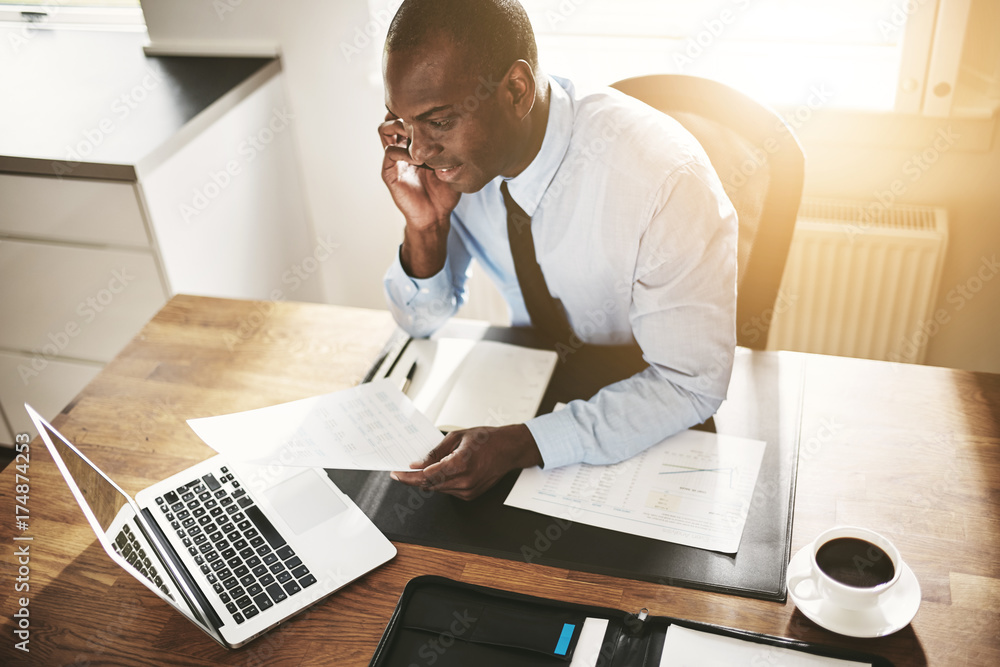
78 277
86 262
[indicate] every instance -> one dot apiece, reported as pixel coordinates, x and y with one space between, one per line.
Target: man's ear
519 84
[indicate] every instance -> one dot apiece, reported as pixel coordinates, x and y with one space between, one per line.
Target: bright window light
84 14
778 51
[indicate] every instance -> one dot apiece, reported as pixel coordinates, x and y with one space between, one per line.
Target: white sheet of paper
691 648
693 488
373 426
588 646
461 383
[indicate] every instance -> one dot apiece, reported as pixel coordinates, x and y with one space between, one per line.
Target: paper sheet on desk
590 643
373 426
684 647
693 488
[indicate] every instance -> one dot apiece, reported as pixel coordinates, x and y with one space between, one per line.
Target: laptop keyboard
245 559
132 551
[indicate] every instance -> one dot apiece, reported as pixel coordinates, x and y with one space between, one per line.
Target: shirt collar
528 187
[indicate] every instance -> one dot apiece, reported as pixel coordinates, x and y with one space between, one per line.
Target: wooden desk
911 451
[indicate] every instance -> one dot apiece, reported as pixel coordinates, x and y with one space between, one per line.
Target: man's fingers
462 467
396 170
448 446
415 478
400 154
429 477
440 451
392 133
435 475
391 126
442 463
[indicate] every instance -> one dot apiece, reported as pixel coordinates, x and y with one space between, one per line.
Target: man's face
455 117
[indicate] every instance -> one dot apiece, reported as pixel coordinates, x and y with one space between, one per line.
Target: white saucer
894 611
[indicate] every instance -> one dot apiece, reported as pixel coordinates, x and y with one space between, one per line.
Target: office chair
761 166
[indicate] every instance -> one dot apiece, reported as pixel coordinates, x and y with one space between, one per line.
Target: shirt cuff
404 289
557 437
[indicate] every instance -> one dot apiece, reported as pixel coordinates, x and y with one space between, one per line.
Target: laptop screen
104 499
108 510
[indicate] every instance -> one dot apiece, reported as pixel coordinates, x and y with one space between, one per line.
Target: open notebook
461 383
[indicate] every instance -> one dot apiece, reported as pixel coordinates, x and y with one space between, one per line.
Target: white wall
232 222
336 97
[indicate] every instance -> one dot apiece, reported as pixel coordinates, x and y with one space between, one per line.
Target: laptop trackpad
304 501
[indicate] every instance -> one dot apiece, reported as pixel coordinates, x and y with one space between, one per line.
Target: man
632 231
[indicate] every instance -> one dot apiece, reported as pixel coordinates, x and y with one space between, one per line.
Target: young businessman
630 226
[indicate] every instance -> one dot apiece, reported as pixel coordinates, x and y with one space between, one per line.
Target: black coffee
855 562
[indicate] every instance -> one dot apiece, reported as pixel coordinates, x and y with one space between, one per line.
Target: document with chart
694 488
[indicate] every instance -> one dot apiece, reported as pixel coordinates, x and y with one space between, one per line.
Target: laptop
235 548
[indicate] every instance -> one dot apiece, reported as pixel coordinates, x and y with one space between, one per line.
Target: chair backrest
761 166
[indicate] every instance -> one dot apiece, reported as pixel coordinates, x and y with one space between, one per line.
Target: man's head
461 76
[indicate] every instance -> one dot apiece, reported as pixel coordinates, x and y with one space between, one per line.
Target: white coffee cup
827 575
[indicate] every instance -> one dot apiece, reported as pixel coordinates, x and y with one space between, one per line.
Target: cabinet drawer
60 301
48 391
71 209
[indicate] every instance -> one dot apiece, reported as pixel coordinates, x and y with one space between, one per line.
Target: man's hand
467 463
425 201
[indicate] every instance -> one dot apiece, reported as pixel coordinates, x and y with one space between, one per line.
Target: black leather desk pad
764 403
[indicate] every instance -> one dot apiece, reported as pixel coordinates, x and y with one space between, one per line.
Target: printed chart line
688 469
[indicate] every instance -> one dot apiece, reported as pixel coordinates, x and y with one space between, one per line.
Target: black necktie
546 312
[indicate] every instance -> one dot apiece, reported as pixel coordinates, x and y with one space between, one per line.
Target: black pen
409 377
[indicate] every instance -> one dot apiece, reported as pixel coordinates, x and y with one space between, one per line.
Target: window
94 14
882 55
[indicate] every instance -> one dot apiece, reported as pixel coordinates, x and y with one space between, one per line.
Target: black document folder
453 624
764 403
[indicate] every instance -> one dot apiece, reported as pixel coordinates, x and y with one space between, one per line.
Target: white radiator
861 280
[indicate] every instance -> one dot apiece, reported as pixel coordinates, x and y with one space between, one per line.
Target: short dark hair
496 32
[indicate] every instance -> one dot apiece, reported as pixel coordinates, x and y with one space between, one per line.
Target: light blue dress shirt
637 238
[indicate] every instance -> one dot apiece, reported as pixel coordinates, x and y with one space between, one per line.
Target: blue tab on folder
564 638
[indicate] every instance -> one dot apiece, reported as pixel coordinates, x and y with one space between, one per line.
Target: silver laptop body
235 548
